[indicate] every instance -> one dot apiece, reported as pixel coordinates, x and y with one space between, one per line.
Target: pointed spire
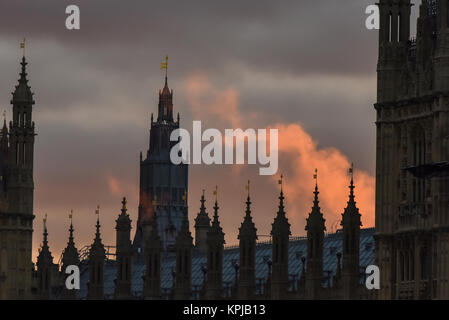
247 227
71 228
22 91
351 212
202 219
248 208
280 224
202 208
97 233
281 211
45 242
315 219
216 207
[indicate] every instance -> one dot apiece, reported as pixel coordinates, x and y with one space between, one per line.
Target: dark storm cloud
298 37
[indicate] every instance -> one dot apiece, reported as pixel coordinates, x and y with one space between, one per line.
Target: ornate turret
394 36
280 233
97 257
315 227
124 255
351 242
16 203
247 247
183 273
70 256
202 226
45 268
160 178
215 246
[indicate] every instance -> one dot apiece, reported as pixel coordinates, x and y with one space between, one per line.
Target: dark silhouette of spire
351 222
202 225
22 91
70 256
280 233
45 267
247 248
215 247
315 227
97 257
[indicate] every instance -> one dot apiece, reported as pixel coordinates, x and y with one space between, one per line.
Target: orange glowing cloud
299 155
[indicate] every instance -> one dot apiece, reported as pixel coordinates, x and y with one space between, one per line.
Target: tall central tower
16 195
162 183
412 193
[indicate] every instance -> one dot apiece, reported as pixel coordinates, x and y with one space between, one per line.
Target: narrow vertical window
24 153
390 30
399 28
17 153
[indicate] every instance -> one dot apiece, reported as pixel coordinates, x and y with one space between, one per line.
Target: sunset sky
307 68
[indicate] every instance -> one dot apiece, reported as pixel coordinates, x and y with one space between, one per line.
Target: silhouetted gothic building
16 196
162 184
412 194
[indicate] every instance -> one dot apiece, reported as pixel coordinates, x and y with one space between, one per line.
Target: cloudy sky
307 68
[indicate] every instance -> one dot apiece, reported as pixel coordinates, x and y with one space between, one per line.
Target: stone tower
47 271
16 196
202 226
153 257
183 249
124 252
97 257
351 246
160 179
70 256
215 247
315 239
412 198
280 233
247 247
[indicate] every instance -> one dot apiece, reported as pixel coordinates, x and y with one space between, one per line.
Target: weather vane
22 46
71 215
315 176
216 193
97 212
351 171
247 188
164 65
280 181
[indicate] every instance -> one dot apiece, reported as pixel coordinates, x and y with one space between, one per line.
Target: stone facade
16 195
412 217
